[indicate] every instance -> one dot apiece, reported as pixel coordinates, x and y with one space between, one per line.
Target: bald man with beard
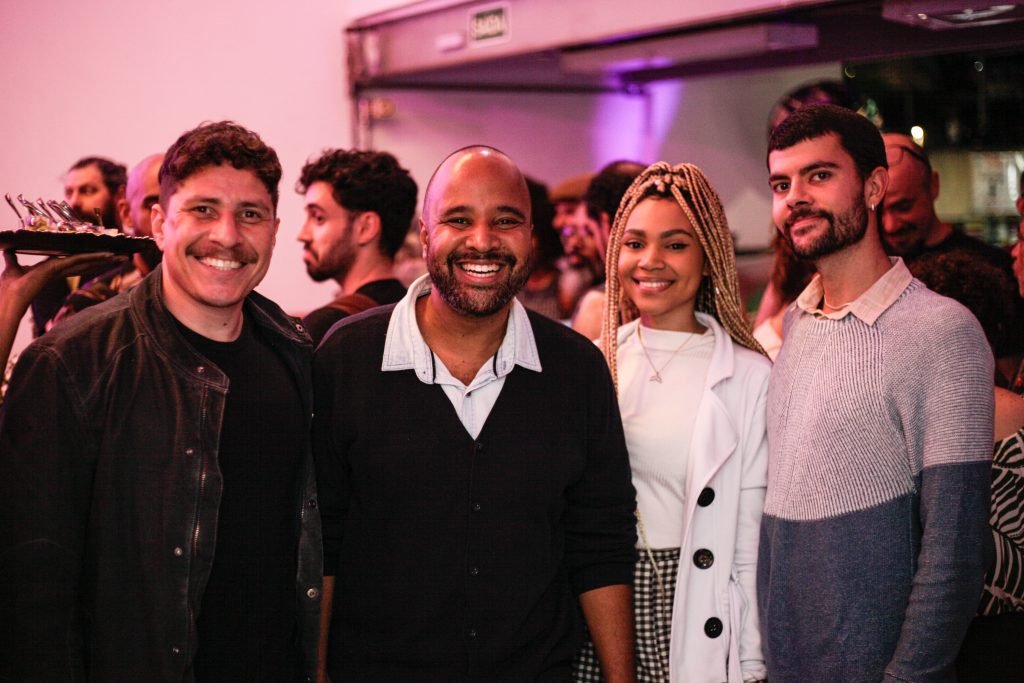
911 228
473 476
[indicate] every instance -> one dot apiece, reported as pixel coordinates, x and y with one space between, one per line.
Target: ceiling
780 34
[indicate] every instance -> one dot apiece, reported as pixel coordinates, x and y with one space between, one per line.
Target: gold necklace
840 307
826 304
656 377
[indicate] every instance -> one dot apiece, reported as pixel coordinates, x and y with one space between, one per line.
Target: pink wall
123 78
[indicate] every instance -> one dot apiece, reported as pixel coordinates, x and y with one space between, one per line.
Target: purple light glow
634 126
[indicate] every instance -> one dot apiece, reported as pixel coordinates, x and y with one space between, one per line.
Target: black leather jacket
109 495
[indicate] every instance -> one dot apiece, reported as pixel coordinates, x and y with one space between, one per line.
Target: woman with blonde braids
692 383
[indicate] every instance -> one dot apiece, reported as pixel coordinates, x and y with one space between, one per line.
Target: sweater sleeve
46 473
946 415
600 524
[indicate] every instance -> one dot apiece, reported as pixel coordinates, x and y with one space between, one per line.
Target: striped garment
873 540
1004 582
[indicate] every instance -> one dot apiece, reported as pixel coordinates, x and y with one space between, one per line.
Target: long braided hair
719 293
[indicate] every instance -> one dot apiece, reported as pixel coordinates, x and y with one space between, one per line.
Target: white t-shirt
658 419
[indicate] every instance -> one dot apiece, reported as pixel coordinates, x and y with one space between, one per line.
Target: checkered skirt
652 614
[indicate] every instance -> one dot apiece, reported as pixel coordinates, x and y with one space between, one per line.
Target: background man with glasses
912 229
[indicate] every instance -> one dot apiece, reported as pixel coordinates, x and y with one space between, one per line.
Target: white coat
725 493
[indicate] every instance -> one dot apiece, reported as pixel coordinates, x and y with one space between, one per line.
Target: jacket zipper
195 531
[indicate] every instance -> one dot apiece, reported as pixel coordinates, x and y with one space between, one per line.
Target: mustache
240 253
801 214
498 255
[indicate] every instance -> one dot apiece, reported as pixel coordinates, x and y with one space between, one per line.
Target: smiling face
908 216
217 234
476 232
818 197
580 239
329 247
661 265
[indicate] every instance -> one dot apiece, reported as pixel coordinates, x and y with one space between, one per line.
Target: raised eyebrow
454 210
512 210
254 205
216 201
676 231
809 168
817 166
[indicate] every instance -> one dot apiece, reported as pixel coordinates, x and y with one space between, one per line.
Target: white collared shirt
869 305
405 349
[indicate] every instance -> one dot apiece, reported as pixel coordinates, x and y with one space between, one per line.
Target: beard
907 241
335 264
848 229
108 216
474 301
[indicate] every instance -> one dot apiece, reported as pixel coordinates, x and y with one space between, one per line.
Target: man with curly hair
359 208
158 513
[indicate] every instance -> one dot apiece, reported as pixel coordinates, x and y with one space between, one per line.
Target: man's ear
124 214
118 199
875 186
157 218
367 228
424 238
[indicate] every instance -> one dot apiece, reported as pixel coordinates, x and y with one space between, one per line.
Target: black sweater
455 558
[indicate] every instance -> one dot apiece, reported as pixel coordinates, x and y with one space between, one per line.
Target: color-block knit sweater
874 538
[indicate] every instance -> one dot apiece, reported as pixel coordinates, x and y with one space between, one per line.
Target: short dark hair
367 181
824 91
216 144
608 187
549 245
858 136
115 175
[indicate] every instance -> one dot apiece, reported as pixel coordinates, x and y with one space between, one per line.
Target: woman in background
692 383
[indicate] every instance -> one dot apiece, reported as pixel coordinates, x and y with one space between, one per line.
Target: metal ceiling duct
702 46
943 15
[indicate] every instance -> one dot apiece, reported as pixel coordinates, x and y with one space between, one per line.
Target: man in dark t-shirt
158 510
247 623
359 207
912 229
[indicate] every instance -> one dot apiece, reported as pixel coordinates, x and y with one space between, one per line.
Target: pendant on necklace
655 378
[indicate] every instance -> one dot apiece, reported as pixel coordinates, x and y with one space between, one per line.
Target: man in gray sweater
873 541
